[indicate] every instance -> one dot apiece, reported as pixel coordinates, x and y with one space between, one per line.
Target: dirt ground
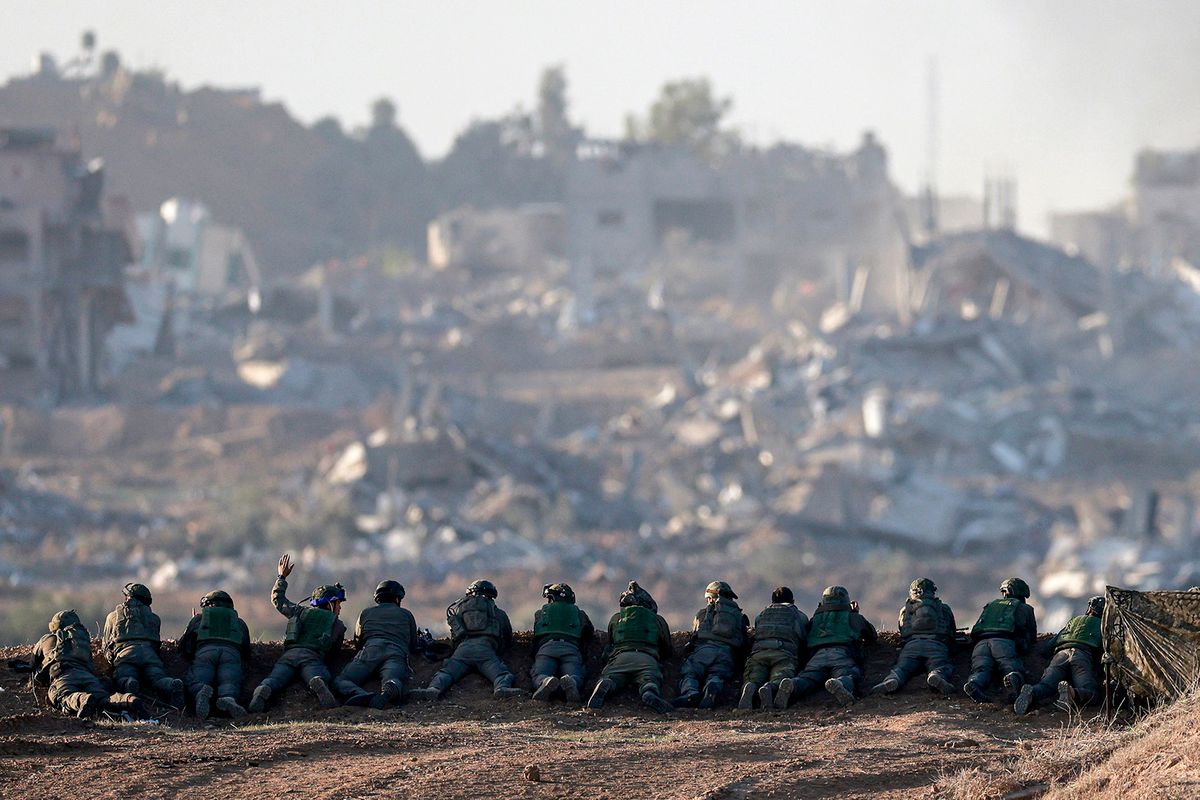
473 746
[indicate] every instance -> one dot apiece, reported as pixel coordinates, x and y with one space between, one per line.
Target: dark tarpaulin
1154 641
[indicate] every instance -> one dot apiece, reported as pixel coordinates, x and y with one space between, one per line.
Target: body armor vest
70 648
219 624
829 628
311 628
999 616
925 618
1081 631
721 622
136 622
477 615
559 620
777 622
636 629
386 621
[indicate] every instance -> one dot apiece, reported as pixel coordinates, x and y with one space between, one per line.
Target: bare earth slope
473 746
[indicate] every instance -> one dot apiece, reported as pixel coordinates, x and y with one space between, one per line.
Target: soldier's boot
687 699
784 694
746 700
766 696
231 707
974 691
325 697
653 699
938 683
428 693
1067 697
603 687
128 685
258 701
1012 682
361 699
175 692
839 691
509 691
886 686
570 689
547 688
93 706
203 701
1024 700
127 705
389 692
712 693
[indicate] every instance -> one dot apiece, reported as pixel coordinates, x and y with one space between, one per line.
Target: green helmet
635 595
138 592
1096 606
835 595
1014 587
389 592
218 598
483 589
719 589
63 620
922 587
326 593
558 592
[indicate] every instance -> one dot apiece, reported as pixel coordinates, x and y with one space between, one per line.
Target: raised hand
285 566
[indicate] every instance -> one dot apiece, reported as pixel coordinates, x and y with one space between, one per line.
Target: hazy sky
1061 94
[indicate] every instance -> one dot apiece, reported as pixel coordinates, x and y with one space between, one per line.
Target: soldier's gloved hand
1106 659
854 606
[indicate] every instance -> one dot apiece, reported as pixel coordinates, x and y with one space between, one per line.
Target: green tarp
1154 641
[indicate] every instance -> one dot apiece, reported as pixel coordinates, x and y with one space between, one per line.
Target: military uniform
383 637
1073 672
1005 631
718 631
217 642
926 632
62 661
132 641
835 638
480 632
780 636
561 630
638 641
313 635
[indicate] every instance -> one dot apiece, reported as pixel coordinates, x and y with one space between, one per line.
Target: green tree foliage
553 126
687 114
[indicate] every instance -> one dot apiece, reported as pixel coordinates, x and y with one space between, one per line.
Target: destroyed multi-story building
63 250
183 245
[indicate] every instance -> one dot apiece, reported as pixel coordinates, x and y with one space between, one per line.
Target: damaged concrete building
63 250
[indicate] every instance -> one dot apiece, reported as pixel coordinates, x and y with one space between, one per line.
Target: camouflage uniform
561 630
718 631
835 638
217 642
1005 630
314 634
638 641
780 634
132 641
1073 672
383 637
62 661
480 632
926 632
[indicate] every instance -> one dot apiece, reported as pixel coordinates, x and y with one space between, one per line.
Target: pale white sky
1059 93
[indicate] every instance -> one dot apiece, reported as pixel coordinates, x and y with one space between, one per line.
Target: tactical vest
831 628
721 622
636 629
777 622
477 614
999 616
70 647
219 624
312 628
136 622
389 622
925 618
1081 631
559 620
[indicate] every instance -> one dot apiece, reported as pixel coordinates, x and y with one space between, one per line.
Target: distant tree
553 126
383 114
687 114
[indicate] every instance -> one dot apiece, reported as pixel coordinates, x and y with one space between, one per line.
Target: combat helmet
922 587
389 592
327 594
1095 606
139 592
719 589
1014 587
558 591
835 596
635 595
63 620
483 588
216 598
